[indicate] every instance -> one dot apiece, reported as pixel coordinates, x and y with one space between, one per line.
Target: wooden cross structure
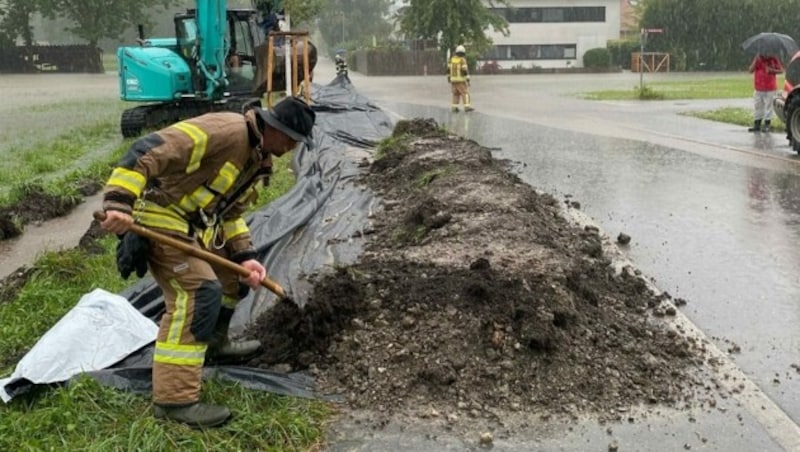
294 37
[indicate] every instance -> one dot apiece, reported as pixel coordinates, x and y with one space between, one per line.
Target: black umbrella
770 44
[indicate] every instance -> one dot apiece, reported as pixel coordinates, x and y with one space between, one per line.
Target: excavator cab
242 38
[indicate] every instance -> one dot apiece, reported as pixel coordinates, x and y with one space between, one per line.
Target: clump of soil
13 283
36 205
89 241
474 297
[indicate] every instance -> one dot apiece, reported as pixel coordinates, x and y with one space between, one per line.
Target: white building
553 33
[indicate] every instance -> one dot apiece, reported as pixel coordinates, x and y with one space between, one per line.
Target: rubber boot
196 415
766 127
756 126
454 109
223 349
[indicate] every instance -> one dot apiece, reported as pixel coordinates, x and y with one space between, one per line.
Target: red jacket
763 80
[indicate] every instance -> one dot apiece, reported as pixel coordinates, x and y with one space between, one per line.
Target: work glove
132 252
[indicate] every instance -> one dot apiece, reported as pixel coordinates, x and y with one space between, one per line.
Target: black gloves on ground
132 252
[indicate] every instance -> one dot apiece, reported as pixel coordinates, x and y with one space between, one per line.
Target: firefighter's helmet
460 50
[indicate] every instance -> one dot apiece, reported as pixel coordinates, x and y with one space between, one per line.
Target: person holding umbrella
764 69
766 47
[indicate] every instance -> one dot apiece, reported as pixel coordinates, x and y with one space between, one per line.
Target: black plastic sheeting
317 225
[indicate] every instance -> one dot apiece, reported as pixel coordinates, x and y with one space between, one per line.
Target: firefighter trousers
460 92
193 295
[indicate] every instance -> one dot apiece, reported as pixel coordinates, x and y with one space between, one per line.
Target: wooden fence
398 62
57 58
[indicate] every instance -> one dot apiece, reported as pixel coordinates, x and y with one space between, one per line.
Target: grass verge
47 165
718 88
87 416
739 116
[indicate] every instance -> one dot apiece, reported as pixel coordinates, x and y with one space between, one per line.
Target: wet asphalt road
714 211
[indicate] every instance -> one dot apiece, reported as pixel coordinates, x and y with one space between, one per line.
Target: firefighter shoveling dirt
475 298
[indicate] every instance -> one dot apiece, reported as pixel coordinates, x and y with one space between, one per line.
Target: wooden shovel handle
199 253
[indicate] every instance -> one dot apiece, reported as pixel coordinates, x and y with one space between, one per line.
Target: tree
302 11
16 18
707 34
452 23
354 21
97 19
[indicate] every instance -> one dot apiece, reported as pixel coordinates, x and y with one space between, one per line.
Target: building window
553 15
531 52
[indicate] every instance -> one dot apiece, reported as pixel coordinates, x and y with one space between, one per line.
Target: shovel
202 254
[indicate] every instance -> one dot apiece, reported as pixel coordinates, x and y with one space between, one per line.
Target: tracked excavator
217 61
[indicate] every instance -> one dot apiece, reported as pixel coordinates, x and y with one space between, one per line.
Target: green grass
429 176
739 116
719 88
87 416
65 186
45 157
392 145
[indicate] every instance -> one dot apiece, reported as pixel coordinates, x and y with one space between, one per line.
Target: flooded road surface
713 211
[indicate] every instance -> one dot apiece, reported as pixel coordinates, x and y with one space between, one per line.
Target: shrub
621 51
598 58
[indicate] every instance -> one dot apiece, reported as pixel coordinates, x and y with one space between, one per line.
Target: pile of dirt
474 297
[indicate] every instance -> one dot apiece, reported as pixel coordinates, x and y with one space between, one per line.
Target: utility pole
642 39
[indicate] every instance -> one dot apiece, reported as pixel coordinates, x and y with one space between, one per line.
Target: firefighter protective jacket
182 179
458 69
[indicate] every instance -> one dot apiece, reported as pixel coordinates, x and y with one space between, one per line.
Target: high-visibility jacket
458 69
181 179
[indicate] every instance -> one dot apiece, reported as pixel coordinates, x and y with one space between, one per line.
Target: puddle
56 234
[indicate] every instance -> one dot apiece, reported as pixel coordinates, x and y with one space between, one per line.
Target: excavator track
155 116
133 121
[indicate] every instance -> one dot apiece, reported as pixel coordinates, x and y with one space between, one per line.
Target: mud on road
476 300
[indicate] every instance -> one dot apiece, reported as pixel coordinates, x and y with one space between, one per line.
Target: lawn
701 88
694 89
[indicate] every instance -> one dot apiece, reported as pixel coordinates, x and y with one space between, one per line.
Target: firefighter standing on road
193 181
458 77
341 65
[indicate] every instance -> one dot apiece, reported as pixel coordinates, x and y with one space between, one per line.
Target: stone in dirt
475 299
